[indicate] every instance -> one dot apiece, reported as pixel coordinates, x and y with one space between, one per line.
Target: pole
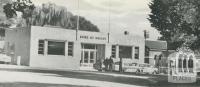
77 27
109 22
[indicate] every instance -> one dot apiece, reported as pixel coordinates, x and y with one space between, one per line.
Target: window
136 52
70 48
146 60
41 47
125 52
56 48
147 50
113 52
190 64
180 65
180 62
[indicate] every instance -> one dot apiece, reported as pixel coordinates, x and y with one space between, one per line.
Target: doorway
88 55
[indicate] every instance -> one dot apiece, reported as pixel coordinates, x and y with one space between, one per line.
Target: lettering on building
93 37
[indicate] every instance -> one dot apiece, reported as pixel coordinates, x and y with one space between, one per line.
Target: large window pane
86 56
91 57
56 48
125 52
88 46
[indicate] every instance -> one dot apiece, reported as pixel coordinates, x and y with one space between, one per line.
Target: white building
156 53
57 48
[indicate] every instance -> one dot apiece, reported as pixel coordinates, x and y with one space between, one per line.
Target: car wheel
154 72
137 71
123 70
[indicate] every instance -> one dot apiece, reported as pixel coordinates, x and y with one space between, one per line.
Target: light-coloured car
5 59
147 68
126 67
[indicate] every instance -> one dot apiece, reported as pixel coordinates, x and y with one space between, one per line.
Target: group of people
108 62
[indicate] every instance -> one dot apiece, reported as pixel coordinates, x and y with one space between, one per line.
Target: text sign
92 37
181 79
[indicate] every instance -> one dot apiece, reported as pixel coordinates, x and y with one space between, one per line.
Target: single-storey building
156 53
57 48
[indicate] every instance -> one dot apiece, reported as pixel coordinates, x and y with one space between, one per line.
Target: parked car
147 68
5 59
126 67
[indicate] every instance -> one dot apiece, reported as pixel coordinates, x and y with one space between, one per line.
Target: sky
125 15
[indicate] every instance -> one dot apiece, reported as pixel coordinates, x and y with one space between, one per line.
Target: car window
142 65
116 63
126 64
134 64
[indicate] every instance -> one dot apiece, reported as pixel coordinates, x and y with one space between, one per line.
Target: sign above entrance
96 38
93 37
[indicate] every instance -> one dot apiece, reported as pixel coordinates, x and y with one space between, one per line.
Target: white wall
66 35
19 41
130 40
54 61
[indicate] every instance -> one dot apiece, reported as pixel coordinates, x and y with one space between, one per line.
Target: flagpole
109 22
77 27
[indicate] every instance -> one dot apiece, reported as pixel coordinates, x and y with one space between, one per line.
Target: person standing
110 64
120 65
105 62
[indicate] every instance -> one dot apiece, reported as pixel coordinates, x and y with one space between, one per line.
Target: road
55 78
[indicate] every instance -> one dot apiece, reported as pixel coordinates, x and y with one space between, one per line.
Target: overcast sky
126 15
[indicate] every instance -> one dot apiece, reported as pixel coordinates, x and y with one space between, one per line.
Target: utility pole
77 27
109 22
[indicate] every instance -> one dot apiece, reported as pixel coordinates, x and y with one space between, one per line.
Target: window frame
137 53
43 48
70 49
113 51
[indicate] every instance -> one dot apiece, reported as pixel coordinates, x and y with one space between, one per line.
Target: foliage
51 14
26 7
177 21
47 14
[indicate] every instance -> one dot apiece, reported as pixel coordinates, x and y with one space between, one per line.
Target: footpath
8 67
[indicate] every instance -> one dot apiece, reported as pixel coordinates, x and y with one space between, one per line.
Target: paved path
51 79
27 76
22 76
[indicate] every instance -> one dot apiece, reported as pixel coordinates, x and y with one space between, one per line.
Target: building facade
156 53
57 48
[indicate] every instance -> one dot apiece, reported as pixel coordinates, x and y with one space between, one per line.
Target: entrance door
88 57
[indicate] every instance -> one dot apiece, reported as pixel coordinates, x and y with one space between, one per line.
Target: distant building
51 47
155 53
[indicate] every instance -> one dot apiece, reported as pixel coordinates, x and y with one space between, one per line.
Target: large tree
26 7
177 21
47 14
3 17
51 14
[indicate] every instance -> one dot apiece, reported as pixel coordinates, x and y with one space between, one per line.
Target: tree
47 14
26 7
177 21
2 15
51 14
